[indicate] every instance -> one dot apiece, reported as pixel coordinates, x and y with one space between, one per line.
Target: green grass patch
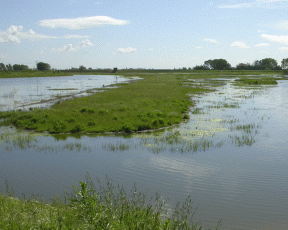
155 101
256 81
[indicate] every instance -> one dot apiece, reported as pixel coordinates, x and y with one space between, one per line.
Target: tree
9 67
284 63
82 68
242 66
41 66
269 63
201 67
17 67
2 67
217 64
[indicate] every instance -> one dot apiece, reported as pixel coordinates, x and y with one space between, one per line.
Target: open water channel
231 157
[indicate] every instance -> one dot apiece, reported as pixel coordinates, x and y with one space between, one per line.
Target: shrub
83 110
90 123
77 128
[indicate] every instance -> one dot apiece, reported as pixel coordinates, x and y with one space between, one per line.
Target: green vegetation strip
88 209
256 81
155 101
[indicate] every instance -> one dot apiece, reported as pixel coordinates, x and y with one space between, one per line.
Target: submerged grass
155 101
107 208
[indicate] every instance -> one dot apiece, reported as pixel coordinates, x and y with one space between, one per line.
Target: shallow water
40 92
231 157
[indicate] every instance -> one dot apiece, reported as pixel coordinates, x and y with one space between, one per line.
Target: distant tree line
215 64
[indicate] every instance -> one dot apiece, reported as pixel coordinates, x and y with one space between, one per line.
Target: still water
40 92
231 157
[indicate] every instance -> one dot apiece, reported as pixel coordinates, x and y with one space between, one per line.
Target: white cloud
126 50
65 49
276 38
80 23
198 47
14 34
260 31
283 48
211 40
85 43
240 45
69 48
151 49
262 45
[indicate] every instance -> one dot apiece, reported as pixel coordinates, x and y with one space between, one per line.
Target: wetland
220 139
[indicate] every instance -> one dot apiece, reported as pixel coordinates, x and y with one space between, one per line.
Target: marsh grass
150 103
89 208
116 147
256 81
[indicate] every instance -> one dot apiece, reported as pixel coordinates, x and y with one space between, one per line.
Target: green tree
17 67
41 66
82 68
269 63
9 67
2 67
217 64
284 63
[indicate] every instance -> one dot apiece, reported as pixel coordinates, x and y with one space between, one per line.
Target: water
40 92
231 157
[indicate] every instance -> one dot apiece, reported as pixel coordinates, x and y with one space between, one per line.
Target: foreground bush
90 210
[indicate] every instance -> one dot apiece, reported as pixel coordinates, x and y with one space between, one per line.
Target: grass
256 81
155 101
107 208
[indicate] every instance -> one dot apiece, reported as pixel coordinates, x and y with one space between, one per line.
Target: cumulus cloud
126 50
211 40
14 34
69 48
81 23
276 38
240 45
262 45
85 43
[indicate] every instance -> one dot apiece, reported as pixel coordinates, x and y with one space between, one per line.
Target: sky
141 34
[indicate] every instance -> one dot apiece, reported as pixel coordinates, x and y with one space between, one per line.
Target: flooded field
40 92
230 156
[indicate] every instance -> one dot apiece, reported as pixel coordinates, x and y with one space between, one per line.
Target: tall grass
108 208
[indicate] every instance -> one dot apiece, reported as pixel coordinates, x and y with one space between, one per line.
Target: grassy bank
155 101
88 209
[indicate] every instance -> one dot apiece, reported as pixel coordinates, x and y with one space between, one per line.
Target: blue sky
141 34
